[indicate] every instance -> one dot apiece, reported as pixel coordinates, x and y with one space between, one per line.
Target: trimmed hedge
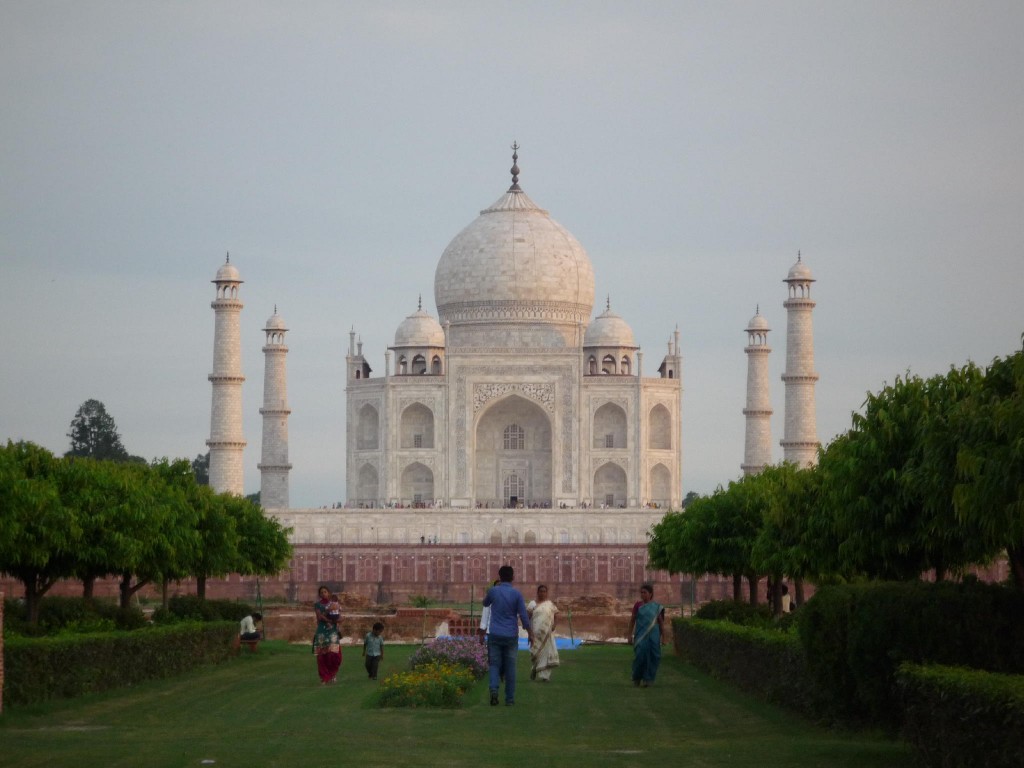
855 636
70 614
736 612
767 663
963 717
192 608
38 669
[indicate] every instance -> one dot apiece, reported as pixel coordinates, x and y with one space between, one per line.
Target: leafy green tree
783 545
201 468
156 527
94 434
715 534
218 551
263 547
990 494
888 483
38 535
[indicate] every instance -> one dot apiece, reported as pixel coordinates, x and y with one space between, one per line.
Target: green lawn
268 709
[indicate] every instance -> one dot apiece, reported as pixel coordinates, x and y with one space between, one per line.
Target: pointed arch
659 428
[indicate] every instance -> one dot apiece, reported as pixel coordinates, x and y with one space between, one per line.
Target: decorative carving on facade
542 394
461 483
514 312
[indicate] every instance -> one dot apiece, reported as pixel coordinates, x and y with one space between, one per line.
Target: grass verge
269 710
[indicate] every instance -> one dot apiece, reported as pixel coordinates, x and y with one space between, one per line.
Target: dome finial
799 257
608 303
515 168
275 308
757 311
419 303
227 259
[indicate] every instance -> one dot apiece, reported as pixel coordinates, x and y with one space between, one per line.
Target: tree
94 434
38 535
888 483
990 461
715 534
201 468
263 547
784 544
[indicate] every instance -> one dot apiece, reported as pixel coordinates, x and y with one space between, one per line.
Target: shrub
192 608
735 612
71 615
765 662
38 669
431 684
464 651
855 636
962 717
420 601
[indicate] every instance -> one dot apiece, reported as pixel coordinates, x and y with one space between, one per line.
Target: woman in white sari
543 652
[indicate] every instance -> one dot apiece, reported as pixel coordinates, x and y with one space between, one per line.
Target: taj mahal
516 426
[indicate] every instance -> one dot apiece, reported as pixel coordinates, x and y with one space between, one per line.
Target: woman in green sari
646 630
327 640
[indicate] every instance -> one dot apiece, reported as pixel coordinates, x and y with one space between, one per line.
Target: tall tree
94 434
990 495
888 482
38 535
201 468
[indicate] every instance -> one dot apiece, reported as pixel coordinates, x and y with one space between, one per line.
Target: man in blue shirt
507 608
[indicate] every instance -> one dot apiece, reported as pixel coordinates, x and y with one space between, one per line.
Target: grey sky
336 148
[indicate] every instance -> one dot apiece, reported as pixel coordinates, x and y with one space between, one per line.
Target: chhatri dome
514 277
419 330
758 322
609 330
799 271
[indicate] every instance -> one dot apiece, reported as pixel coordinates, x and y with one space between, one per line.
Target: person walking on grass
646 632
543 651
327 640
507 610
373 649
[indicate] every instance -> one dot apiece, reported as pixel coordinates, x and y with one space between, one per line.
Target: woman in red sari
327 640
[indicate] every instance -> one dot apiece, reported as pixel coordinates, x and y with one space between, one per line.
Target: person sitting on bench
247 628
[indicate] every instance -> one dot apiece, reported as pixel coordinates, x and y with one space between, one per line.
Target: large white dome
514 264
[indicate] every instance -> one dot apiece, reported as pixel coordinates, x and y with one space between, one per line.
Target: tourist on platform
543 652
247 627
373 649
327 640
507 610
646 634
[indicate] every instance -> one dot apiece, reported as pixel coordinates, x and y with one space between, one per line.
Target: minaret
274 464
226 442
757 450
800 441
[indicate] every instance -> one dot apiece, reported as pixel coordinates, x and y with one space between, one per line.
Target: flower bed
432 684
468 652
441 672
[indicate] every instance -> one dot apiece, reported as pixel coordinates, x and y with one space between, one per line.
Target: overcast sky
336 148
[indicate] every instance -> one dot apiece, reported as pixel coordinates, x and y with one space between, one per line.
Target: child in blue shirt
373 649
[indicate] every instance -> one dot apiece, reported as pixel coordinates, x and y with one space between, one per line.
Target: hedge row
37 669
70 614
963 717
855 637
765 662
